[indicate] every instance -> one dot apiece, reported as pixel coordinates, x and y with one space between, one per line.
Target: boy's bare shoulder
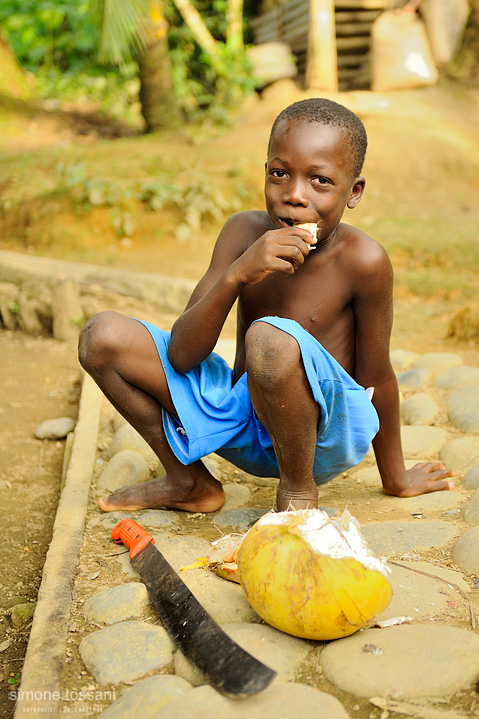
366 254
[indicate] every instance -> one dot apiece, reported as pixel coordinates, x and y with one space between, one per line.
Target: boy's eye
278 173
320 180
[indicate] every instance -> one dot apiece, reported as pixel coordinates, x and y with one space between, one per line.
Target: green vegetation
197 200
103 52
57 43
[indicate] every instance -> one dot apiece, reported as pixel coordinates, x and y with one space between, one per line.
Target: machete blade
225 665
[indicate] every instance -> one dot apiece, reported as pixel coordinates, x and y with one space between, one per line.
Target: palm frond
124 27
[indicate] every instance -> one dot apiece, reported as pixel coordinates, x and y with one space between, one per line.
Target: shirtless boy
313 329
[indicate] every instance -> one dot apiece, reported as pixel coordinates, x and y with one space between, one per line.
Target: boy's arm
246 251
373 308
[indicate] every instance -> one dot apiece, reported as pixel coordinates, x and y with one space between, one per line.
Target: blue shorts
216 415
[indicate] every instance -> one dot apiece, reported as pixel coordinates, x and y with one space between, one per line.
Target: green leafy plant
202 200
197 200
123 222
158 192
14 680
44 33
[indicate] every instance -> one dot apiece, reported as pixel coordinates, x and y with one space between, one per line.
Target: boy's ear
356 192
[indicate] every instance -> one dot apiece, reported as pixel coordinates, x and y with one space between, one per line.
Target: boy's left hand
423 478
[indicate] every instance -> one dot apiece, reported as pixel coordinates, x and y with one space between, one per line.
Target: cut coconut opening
335 537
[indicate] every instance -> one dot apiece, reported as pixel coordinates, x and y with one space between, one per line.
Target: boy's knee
270 353
99 338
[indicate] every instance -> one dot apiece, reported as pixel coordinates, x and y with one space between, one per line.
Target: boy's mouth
288 222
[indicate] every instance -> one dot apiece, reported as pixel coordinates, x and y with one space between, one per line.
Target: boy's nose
295 194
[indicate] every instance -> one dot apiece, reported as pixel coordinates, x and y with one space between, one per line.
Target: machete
224 664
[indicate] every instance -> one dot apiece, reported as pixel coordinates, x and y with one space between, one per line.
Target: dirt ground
40 376
40 380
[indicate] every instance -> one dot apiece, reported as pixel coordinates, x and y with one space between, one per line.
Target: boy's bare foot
205 496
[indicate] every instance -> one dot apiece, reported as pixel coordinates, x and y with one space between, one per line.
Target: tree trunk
198 28
234 24
12 78
158 103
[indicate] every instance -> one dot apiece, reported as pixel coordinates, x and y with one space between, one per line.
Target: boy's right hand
423 478
283 250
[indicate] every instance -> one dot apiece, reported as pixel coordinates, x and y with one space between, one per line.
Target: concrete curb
41 685
171 294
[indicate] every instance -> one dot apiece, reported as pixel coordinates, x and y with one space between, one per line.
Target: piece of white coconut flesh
311 227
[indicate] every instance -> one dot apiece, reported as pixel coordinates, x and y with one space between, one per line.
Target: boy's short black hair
327 112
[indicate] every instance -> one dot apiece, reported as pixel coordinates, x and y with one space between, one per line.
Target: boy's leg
284 403
121 356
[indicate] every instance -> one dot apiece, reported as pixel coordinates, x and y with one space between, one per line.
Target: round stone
426 504
422 441
466 551
22 613
403 661
402 359
147 697
460 453
463 408
237 495
124 469
418 596
369 477
239 519
287 700
471 510
118 420
55 428
225 601
390 538
419 408
126 437
117 603
458 377
437 361
413 378
471 480
125 651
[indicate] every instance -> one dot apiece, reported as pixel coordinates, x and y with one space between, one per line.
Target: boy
313 327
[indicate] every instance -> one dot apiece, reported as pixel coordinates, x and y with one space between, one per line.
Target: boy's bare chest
318 299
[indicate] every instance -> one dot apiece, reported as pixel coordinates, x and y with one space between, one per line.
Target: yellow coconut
312 576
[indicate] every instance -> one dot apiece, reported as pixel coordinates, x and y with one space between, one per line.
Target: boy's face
309 176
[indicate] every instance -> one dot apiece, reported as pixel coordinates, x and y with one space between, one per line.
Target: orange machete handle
129 533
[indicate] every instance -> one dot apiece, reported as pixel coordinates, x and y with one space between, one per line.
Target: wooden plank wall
288 21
